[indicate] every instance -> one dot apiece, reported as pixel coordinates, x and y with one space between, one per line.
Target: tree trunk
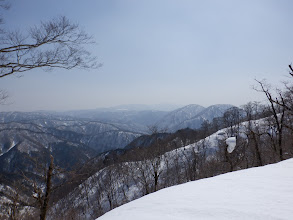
44 207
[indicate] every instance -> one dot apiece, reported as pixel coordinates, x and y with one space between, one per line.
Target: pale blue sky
159 51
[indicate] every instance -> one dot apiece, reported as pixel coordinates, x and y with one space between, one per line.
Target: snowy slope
129 187
256 193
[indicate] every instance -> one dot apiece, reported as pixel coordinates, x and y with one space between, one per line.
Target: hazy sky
158 51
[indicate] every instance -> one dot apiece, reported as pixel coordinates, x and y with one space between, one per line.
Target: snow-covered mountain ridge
97 135
120 183
192 116
255 193
118 177
115 130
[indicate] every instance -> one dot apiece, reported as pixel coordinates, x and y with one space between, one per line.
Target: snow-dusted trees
149 167
155 162
142 174
12 203
193 161
254 134
231 119
33 190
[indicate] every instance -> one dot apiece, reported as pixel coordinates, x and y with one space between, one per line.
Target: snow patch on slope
256 193
231 142
13 144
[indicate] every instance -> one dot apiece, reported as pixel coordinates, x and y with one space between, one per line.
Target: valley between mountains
100 159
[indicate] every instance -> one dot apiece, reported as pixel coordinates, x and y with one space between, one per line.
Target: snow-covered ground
255 193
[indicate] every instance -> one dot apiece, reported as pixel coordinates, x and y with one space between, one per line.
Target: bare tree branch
3 97
54 44
291 70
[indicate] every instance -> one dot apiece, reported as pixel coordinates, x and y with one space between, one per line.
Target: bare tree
57 43
53 44
143 176
3 96
253 131
278 118
232 118
35 189
44 200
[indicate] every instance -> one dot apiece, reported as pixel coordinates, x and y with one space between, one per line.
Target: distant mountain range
191 116
102 129
70 140
78 140
76 136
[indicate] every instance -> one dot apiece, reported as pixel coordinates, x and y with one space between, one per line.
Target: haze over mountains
191 116
102 129
76 137
116 157
166 117
88 133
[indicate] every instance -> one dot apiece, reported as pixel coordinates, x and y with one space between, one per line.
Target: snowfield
256 193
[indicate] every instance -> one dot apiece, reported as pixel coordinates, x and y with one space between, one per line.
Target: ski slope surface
256 193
